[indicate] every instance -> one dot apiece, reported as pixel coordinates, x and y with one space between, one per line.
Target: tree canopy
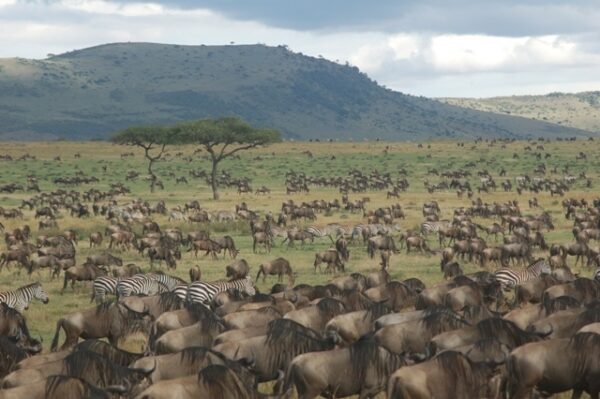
220 137
149 138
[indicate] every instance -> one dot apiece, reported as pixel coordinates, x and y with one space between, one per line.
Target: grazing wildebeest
263 238
104 259
228 246
333 259
211 247
95 239
384 243
238 269
279 267
85 272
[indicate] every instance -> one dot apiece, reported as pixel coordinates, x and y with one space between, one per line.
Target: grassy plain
267 166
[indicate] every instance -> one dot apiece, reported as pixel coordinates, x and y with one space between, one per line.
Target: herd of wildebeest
524 325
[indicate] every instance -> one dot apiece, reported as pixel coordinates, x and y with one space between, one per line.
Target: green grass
270 171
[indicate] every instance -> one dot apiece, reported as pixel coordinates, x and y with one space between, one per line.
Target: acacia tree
152 139
222 138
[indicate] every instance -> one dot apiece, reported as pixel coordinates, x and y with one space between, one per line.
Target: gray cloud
430 47
492 17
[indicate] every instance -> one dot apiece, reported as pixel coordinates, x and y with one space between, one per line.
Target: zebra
509 278
20 298
139 285
596 275
204 292
168 281
328 231
102 286
433 227
181 291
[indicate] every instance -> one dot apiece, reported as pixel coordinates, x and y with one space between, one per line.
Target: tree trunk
213 179
153 181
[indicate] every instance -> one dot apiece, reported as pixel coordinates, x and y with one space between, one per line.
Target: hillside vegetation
578 110
92 92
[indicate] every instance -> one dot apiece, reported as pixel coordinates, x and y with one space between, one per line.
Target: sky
434 48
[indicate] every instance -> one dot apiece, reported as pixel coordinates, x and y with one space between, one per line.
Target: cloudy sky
424 47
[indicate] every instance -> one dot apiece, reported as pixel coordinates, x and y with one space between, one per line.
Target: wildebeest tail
59 325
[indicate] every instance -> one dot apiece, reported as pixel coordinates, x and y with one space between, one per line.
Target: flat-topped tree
153 139
222 138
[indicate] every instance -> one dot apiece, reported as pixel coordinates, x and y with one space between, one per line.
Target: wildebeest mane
356 300
220 382
61 386
6 312
331 307
169 301
589 316
258 297
505 331
110 352
288 339
443 320
377 310
96 369
414 284
552 305
10 355
459 372
587 287
476 313
365 355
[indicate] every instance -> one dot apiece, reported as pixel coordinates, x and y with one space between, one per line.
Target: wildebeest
108 320
362 369
85 272
238 269
555 366
263 238
280 267
333 259
104 259
228 246
447 376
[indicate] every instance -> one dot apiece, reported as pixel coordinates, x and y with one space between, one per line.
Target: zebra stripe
139 285
596 275
327 231
433 227
20 298
511 278
103 286
168 281
204 292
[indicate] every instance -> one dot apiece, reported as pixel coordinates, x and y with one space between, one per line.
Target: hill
578 110
92 92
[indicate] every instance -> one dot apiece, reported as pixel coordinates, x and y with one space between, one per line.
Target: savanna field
267 167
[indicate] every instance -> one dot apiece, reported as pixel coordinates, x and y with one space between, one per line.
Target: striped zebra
434 227
509 278
20 298
103 286
329 231
139 285
204 292
168 281
596 275
181 291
